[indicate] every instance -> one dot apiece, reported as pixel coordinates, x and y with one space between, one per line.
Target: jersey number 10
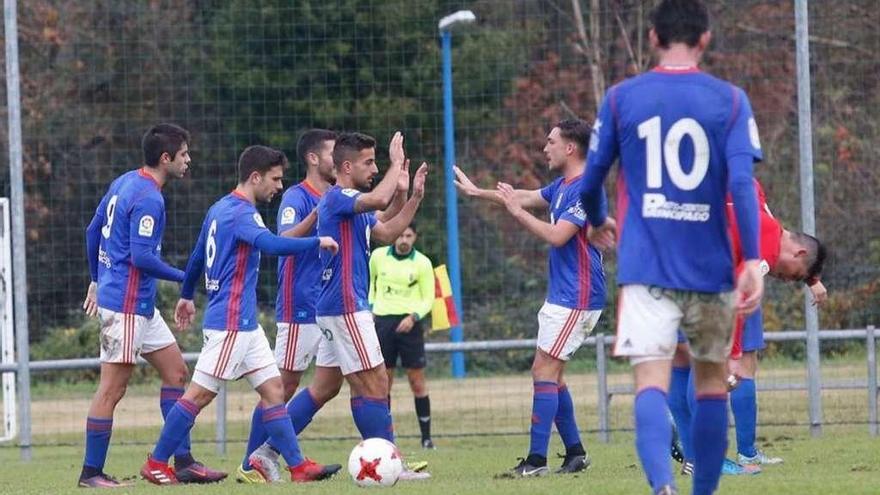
650 131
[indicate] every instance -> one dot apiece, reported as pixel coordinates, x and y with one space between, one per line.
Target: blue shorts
753 332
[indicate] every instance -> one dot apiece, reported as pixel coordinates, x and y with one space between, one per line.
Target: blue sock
372 417
167 398
744 403
653 436
257 436
302 408
280 430
566 423
177 426
681 410
545 404
709 432
98 431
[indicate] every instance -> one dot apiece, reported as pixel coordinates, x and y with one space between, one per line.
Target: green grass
843 461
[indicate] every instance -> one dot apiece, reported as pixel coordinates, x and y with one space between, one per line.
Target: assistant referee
402 293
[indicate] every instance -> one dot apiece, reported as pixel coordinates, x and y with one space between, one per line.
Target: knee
177 376
322 393
418 384
290 388
110 395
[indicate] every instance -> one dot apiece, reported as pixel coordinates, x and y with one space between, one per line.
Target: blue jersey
299 276
576 277
232 263
345 279
133 212
675 133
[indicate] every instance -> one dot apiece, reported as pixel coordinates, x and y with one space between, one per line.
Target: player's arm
380 197
387 232
601 156
399 196
186 309
93 244
742 151
249 227
554 234
525 197
303 227
426 290
144 238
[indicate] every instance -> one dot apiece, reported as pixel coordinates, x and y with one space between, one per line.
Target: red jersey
770 243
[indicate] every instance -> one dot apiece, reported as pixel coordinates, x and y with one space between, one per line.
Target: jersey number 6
211 245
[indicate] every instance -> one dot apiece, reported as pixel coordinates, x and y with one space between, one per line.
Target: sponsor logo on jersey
656 206
212 284
577 211
103 258
754 138
288 216
145 226
259 220
350 192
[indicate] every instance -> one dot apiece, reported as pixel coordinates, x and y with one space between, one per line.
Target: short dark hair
412 226
310 142
577 131
162 138
349 144
258 158
816 254
680 21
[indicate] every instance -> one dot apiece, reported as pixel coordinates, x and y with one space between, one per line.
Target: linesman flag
443 315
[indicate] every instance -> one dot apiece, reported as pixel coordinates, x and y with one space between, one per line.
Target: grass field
843 461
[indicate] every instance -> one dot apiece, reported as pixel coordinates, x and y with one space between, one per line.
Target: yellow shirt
401 286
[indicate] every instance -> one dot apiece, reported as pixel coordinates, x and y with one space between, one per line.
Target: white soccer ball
375 462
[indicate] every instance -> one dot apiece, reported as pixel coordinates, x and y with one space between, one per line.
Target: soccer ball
375 462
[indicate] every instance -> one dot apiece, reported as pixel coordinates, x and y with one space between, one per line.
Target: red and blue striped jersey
232 263
299 275
132 212
576 276
345 279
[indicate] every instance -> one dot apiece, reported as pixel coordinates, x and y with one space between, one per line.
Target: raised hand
329 244
507 194
463 183
184 314
90 305
403 178
819 292
395 150
419 181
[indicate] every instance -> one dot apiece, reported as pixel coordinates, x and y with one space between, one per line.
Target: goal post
7 335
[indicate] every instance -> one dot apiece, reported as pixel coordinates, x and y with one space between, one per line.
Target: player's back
674 135
133 208
345 276
231 264
299 275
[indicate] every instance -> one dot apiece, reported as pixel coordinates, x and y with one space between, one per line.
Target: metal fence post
19 266
602 387
220 433
808 217
872 381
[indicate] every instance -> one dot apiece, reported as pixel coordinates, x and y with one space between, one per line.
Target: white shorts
125 336
561 330
649 319
296 344
353 343
229 355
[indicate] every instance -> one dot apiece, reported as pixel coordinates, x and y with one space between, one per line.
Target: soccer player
235 346
345 213
299 277
575 290
684 139
401 294
298 337
123 244
786 255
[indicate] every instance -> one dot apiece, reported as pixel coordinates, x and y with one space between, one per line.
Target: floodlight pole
445 26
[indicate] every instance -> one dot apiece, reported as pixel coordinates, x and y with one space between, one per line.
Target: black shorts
410 346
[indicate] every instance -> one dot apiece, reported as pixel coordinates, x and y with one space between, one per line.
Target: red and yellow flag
443 315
